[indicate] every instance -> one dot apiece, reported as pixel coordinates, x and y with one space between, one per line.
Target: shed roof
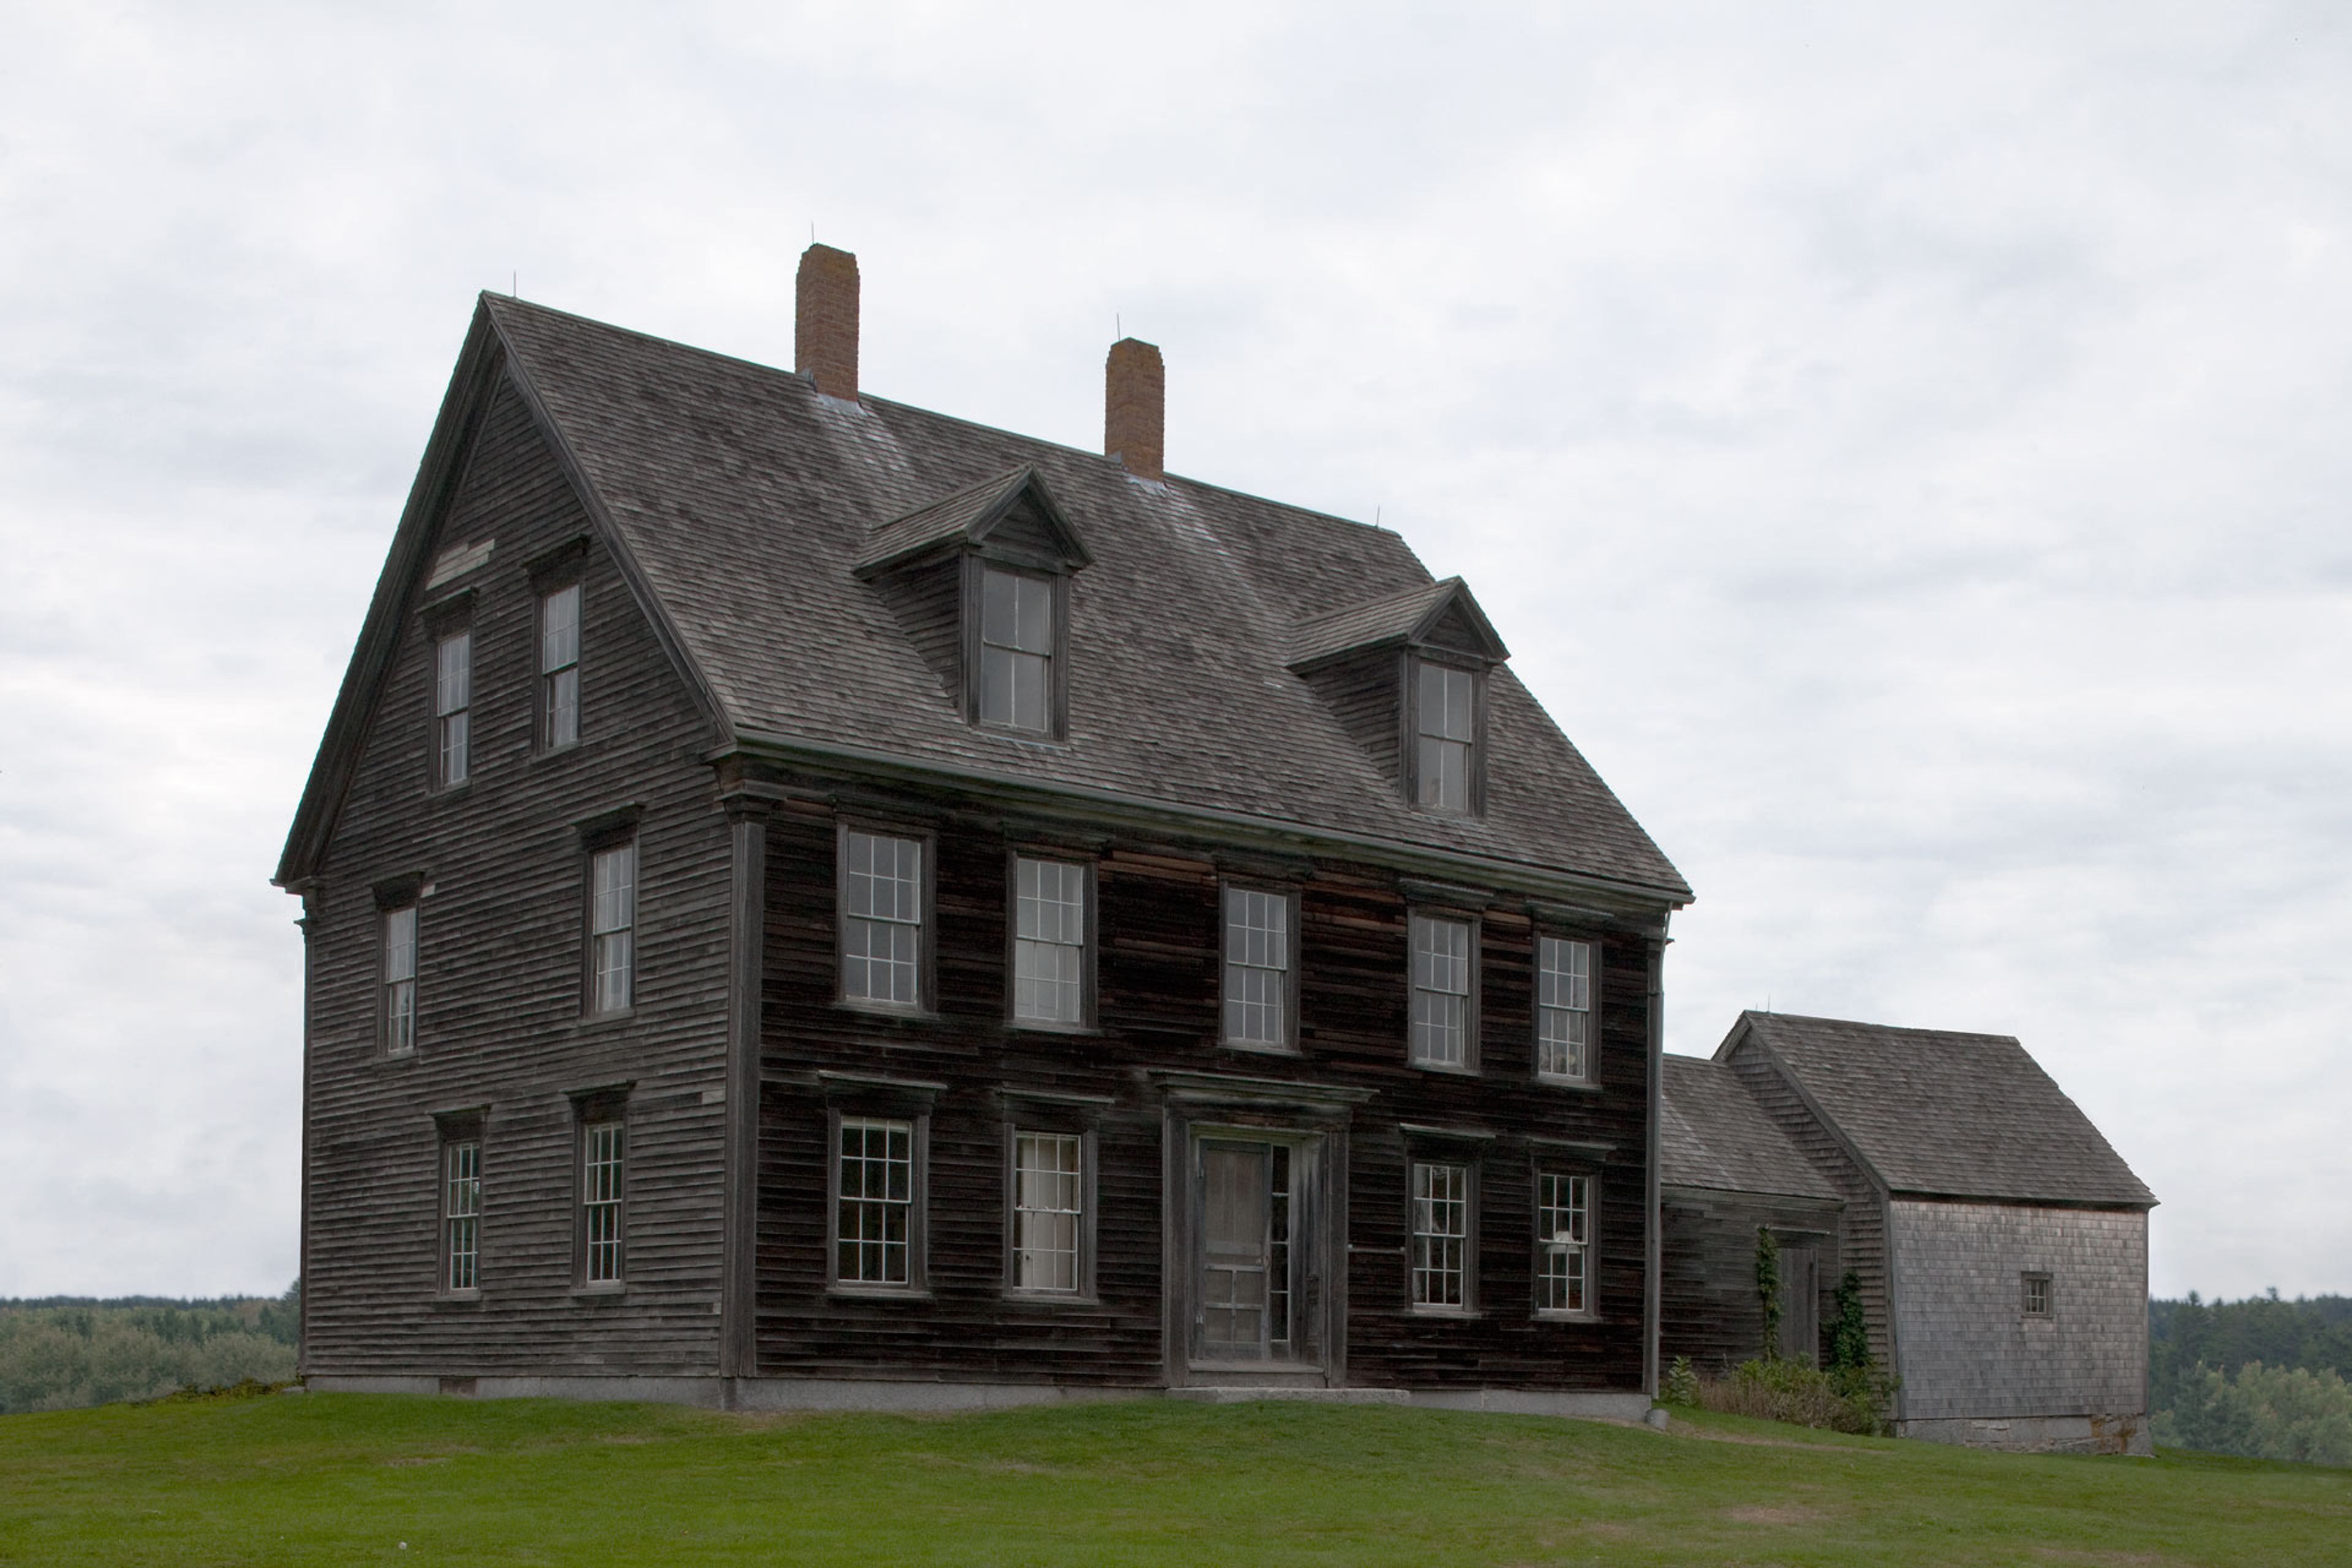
1713 1135
1938 1114
743 502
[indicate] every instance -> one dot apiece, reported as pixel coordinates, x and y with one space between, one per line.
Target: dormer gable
1406 673
980 581
1010 516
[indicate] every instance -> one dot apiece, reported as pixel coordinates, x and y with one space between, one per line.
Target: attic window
1017 650
1445 737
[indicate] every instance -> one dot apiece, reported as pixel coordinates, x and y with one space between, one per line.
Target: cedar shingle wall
1967 1348
498 985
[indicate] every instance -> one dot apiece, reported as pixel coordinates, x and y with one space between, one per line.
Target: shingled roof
743 502
1941 1114
1713 1135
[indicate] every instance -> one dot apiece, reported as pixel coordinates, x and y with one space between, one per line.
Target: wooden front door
1248 1209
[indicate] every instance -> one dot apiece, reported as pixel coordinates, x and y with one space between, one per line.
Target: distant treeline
2264 1377
60 1353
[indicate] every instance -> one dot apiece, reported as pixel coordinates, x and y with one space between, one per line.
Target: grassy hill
325 1478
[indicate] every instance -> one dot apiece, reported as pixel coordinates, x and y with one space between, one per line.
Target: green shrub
1681 1387
1849 1400
1849 1330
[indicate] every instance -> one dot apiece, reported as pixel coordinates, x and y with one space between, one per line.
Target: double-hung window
1258 948
1564 1009
1441 1235
874 1211
881 919
399 1008
559 668
1016 650
1563 1244
461 1215
453 707
1443 1011
612 927
603 1192
1445 721
1048 1211
1049 940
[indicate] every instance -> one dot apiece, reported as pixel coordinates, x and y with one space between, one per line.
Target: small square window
1442 991
1564 1010
1441 1235
2037 1295
1049 942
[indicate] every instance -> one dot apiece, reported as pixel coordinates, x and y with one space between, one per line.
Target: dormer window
1016 650
1445 737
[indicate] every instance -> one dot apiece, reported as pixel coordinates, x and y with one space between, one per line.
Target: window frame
926 1003
391 902
1409 728
1469 1065
454 1132
591 1110
1468 1164
1027 1121
457 627
1089 952
918 1119
977 564
1591 1079
595 843
546 589
2027 1279
1571 1172
1289 1045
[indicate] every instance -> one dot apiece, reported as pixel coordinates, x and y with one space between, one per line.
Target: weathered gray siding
1969 1353
500 984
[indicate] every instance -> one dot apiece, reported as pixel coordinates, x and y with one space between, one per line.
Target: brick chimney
1134 407
825 320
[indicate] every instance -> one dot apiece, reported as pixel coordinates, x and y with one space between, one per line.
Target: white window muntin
400 981
453 702
1441 1234
1445 721
882 918
1049 940
1259 948
1048 1211
1563 1243
874 1216
612 926
1564 1009
559 666
461 1215
602 1188
1443 949
1016 650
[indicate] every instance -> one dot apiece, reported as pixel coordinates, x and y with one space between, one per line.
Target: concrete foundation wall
1971 1357
2040 1434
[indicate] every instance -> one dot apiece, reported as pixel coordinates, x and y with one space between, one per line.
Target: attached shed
1725 1172
2000 1242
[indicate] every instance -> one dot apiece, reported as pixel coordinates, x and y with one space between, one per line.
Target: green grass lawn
347 1478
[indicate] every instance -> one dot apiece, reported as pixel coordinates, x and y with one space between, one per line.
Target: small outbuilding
2001 1243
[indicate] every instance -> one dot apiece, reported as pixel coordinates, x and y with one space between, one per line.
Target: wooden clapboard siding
500 982
1709 1311
1862 1228
1159 926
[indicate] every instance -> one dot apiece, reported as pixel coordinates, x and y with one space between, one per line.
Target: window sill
450 791
553 753
854 1292
456 1301
1460 1312
1259 1048
602 1020
1452 1070
601 1292
1575 1085
1547 1315
1045 1026
1053 1298
395 1058
865 1009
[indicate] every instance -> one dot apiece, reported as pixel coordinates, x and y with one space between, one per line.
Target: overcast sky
1907 455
